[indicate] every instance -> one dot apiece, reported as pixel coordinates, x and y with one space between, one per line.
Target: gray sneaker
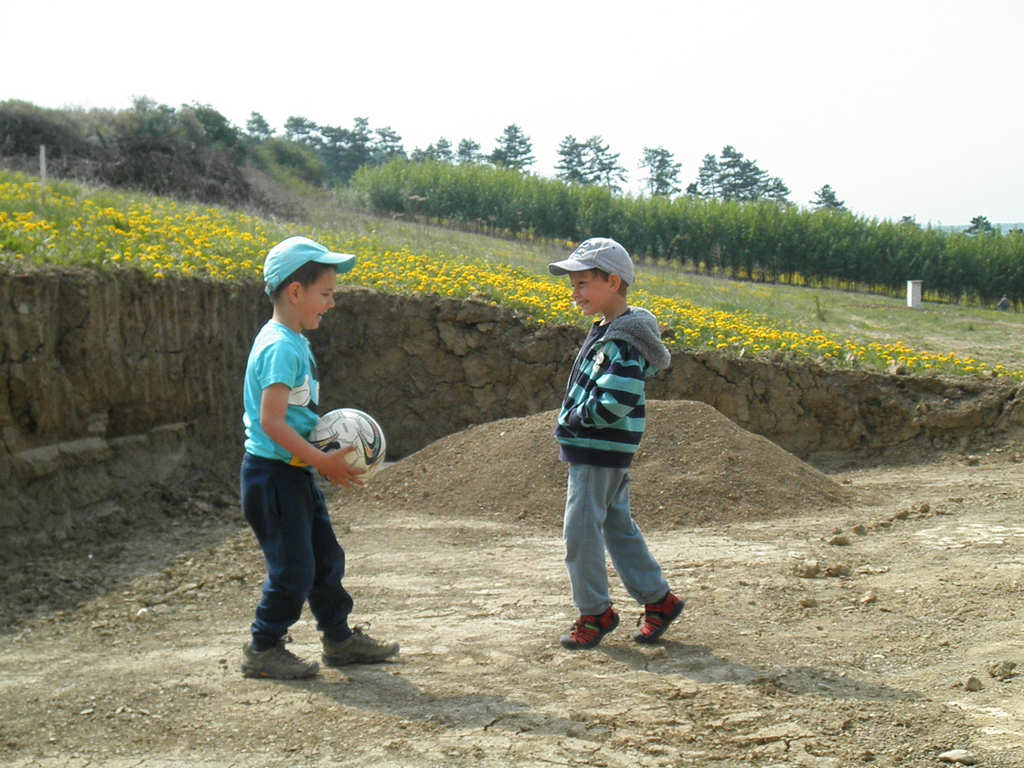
357 648
278 663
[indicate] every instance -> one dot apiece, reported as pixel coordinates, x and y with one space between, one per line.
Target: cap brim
567 266
342 262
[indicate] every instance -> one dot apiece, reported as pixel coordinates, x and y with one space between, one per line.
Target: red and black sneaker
657 616
588 630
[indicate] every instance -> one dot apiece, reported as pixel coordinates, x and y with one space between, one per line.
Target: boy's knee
293 582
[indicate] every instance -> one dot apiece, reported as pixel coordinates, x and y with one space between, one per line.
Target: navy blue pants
304 561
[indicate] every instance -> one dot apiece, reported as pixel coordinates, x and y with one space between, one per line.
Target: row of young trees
756 239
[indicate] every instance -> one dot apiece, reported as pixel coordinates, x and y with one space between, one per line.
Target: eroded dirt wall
116 388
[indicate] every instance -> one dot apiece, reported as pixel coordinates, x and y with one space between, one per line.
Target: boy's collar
606 321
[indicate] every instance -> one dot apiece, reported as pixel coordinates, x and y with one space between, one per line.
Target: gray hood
639 329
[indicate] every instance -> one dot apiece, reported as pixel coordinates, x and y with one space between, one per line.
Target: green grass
970 332
982 334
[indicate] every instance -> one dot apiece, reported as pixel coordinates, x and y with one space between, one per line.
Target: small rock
872 570
868 598
961 756
973 684
924 509
837 570
860 529
1001 670
808 569
840 540
808 602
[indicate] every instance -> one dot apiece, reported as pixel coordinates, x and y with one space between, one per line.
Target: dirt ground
851 614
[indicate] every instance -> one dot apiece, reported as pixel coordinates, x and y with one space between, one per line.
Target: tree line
329 155
734 217
590 162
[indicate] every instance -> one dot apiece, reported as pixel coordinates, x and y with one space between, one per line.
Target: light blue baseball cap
290 254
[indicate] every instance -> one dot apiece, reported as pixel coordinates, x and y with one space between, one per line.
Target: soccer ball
343 427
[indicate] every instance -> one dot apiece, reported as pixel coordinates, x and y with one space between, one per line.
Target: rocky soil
859 612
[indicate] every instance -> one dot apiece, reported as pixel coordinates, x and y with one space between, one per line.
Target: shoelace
582 630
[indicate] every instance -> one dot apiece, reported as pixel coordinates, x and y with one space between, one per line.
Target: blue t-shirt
279 355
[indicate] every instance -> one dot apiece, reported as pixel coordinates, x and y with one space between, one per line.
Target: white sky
906 107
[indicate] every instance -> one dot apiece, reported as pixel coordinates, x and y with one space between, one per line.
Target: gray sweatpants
597 516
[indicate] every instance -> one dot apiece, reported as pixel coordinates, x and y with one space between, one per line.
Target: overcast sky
905 107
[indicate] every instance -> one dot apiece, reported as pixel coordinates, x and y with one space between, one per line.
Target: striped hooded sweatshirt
602 417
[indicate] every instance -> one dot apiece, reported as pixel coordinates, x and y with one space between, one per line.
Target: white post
914 294
42 173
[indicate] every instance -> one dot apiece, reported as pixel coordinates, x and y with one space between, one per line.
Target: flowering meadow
111 230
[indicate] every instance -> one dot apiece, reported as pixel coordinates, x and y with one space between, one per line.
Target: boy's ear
614 282
292 290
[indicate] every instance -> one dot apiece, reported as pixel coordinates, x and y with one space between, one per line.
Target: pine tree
333 150
302 131
603 165
980 225
439 153
512 150
739 178
387 146
706 185
826 199
468 152
735 177
572 161
343 151
443 151
360 145
663 171
775 189
257 127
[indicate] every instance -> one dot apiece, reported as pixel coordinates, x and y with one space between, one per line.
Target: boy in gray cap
599 428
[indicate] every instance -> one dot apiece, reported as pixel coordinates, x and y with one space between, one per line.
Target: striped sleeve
618 387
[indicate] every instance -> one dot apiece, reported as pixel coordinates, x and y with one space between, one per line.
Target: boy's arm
618 387
333 466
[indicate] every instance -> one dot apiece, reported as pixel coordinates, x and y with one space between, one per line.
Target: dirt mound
694 466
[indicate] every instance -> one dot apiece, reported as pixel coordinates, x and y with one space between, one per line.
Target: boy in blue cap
280 499
599 428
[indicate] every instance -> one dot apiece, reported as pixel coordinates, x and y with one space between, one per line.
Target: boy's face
313 301
593 294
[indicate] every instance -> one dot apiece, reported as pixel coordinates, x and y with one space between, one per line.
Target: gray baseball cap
597 253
